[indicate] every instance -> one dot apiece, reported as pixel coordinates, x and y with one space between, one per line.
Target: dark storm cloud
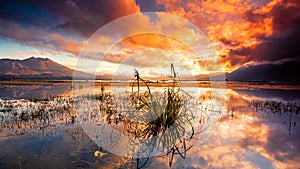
283 44
27 13
86 18
71 16
150 6
58 25
278 57
285 15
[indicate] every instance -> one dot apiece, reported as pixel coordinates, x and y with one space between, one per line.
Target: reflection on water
24 91
248 140
289 109
271 94
256 130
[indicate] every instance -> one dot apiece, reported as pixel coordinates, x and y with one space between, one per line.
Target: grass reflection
20 116
277 108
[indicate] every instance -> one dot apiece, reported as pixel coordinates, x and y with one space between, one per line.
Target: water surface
246 136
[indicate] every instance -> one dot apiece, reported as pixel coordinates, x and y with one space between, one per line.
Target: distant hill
285 72
36 68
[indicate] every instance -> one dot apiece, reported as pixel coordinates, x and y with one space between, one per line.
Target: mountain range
283 72
36 68
46 69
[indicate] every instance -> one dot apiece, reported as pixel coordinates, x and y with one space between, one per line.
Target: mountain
44 68
36 68
284 72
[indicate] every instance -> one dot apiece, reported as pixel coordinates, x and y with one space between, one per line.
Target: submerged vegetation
20 116
277 108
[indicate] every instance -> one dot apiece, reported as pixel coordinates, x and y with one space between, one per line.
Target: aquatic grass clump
161 111
164 119
172 121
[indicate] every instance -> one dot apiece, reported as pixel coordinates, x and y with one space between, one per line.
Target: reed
168 118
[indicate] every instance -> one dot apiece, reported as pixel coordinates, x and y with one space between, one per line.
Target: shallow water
25 91
244 137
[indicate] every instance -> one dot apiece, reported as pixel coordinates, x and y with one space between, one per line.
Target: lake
237 125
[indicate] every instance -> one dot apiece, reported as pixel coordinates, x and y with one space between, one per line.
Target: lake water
258 127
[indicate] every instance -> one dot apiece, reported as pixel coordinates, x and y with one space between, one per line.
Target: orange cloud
147 41
121 8
227 25
154 50
67 45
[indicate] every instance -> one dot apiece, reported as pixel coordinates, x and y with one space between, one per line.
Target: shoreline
204 84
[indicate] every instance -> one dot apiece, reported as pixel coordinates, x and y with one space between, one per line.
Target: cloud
285 14
140 57
282 44
67 45
59 26
68 16
147 36
41 39
15 31
244 31
150 6
280 47
86 18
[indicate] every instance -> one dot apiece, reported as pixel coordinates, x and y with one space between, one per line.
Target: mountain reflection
26 91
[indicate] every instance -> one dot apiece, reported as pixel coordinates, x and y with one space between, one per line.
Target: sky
242 32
